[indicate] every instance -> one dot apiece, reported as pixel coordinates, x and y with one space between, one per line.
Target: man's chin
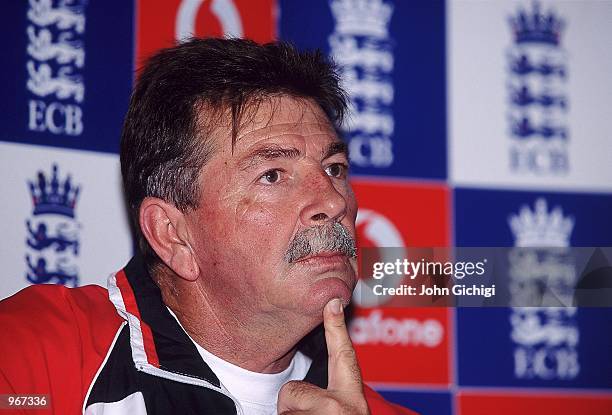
323 291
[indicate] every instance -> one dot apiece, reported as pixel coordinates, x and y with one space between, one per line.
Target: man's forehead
284 114
278 118
288 130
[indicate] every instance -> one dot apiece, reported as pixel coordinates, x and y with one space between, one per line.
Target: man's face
285 178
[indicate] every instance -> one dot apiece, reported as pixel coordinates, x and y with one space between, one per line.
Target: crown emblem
53 196
539 228
362 17
536 27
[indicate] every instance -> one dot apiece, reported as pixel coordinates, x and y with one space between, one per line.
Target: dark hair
183 90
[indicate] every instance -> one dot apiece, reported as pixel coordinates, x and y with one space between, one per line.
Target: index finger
343 369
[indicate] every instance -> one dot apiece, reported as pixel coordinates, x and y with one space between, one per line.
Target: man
237 185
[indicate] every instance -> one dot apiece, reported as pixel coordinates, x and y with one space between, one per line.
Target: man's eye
270 177
336 170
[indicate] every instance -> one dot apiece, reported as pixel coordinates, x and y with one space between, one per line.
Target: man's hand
344 393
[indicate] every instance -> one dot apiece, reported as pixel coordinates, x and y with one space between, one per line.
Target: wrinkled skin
252 206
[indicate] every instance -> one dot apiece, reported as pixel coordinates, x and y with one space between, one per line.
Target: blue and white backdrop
501 110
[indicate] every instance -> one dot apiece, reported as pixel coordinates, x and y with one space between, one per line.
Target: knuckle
338 322
347 354
333 406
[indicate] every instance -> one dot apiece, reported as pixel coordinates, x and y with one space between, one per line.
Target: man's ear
164 227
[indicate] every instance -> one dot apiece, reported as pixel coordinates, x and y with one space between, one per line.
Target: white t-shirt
257 393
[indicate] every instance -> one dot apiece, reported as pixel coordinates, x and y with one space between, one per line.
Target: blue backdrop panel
416 41
525 347
67 72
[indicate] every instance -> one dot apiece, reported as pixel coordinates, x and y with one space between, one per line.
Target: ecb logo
56 58
538 103
545 338
363 49
52 230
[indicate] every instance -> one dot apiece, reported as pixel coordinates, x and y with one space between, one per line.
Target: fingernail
336 306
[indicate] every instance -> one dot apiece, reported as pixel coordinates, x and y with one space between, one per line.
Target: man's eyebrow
335 148
267 153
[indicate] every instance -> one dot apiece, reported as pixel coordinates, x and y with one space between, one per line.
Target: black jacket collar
174 349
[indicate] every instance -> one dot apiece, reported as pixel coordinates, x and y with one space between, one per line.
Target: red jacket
117 350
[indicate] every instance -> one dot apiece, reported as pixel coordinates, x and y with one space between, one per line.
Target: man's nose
323 201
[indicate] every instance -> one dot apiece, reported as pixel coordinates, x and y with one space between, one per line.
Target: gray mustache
316 239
